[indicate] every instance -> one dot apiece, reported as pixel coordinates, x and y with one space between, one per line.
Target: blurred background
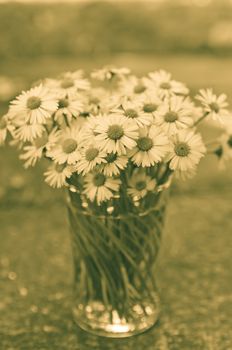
193 40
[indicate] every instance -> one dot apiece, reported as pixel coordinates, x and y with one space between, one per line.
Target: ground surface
194 269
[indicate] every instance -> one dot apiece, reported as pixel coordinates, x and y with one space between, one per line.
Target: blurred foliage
109 27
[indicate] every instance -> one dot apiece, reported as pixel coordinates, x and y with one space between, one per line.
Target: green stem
198 121
117 255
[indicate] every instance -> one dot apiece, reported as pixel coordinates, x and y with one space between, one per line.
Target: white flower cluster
114 130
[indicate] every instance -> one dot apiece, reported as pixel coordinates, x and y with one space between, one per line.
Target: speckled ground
194 269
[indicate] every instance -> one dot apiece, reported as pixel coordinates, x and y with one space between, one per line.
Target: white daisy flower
36 105
132 86
109 72
174 115
215 107
5 127
99 187
69 83
34 151
115 133
110 102
93 100
134 112
90 157
186 150
114 164
18 120
151 148
28 132
140 184
164 84
31 155
57 174
88 131
151 103
68 108
66 149
99 100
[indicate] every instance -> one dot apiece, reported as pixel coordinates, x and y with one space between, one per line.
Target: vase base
95 319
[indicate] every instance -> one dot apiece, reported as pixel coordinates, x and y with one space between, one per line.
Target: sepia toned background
193 40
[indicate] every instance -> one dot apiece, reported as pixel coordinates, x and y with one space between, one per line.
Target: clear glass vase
115 293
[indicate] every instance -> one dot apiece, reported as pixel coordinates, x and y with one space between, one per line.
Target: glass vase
115 293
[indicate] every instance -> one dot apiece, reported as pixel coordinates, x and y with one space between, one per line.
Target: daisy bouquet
114 141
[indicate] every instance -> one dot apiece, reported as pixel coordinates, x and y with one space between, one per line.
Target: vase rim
144 213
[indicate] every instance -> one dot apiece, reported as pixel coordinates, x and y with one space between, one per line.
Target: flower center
131 113
219 151
41 141
149 107
229 142
63 102
99 180
182 149
91 154
111 157
145 144
214 107
139 89
67 83
171 117
115 132
3 123
165 85
140 185
84 114
33 102
69 145
59 167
